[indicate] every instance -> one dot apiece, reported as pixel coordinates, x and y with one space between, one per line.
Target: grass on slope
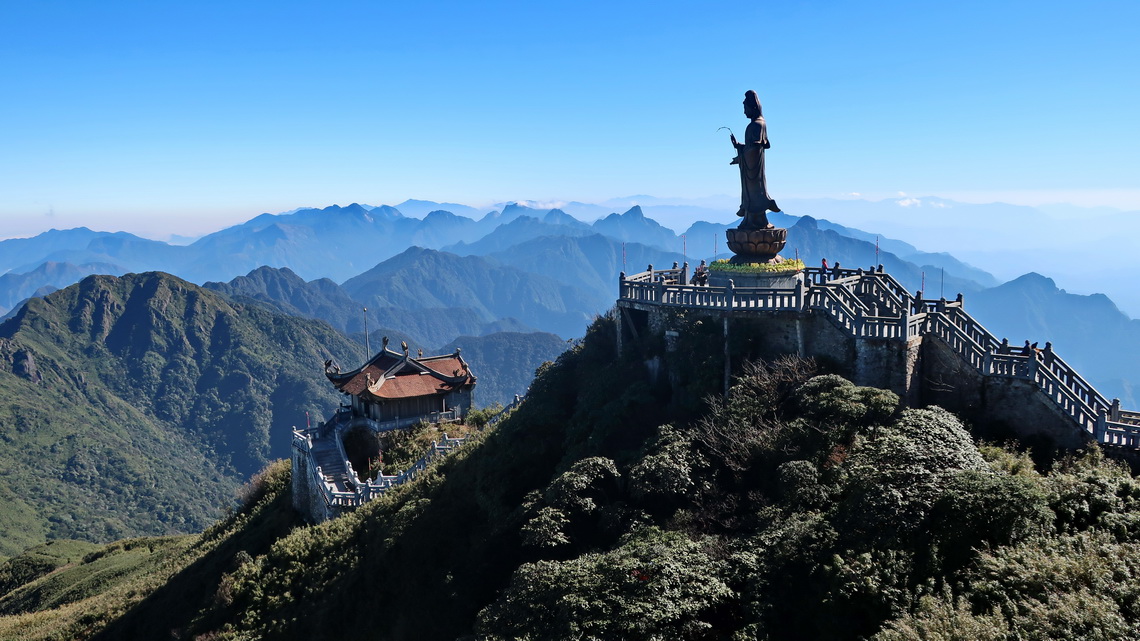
147 587
802 507
40 560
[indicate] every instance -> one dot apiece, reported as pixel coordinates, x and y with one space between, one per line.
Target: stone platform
775 280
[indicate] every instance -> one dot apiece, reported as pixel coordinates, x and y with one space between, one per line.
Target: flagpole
367 345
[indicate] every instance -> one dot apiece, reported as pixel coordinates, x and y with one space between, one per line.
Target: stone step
327 456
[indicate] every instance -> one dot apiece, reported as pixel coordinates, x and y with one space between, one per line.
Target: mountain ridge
144 399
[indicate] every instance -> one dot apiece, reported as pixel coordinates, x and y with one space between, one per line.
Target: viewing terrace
870 304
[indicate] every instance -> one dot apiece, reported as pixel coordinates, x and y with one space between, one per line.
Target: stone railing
1119 427
956 338
344 420
450 416
894 327
359 492
1129 418
303 441
713 298
1071 393
893 313
677 275
837 306
744 298
363 492
817 276
382 484
843 299
688 296
325 482
506 411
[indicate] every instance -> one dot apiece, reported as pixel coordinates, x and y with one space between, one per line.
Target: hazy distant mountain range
158 368
433 275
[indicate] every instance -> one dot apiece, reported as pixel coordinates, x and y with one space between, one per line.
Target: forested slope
136 405
611 505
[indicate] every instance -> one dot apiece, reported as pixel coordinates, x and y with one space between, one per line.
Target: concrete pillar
728 294
617 320
727 355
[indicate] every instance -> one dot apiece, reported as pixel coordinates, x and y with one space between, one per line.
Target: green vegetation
609 506
136 405
40 560
131 588
723 265
402 448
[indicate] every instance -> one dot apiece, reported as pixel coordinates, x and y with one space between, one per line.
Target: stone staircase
330 461
873 305
879 296
324 484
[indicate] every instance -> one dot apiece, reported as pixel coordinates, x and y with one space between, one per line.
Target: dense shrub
800 507
654 585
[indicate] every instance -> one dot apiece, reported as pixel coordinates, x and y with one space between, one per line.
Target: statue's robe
754 199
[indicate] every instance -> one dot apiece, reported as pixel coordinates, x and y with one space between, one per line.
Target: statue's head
752 105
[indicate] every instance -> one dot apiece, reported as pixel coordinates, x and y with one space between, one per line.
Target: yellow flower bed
757 268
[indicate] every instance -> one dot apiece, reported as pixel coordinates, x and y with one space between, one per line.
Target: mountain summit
141 401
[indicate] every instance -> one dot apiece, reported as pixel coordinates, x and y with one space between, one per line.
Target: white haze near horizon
1085 250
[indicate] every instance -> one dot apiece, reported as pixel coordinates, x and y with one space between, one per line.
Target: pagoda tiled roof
412 385
448 364
391 375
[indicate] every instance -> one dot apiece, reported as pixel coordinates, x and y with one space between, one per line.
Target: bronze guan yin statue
754 199
755 240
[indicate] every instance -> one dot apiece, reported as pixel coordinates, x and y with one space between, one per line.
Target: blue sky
162 117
